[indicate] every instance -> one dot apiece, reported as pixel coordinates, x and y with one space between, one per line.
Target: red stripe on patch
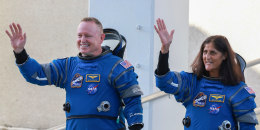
126 64
249 90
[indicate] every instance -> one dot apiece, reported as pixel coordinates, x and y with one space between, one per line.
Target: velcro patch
249 90
214 109
126 64
76 81
93 78
92 89
200 100
216 98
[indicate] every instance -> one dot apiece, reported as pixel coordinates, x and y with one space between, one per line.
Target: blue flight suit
96 89
208 102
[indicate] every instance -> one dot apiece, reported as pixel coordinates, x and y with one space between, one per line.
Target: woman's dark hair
230 72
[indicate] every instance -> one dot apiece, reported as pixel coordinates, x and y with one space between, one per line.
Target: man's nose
83 39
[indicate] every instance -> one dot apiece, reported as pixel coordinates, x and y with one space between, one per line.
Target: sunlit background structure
51 26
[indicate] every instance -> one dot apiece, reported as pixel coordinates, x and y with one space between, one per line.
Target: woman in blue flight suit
214 94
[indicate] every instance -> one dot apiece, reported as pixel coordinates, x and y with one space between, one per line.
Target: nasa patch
214 109
200 100
76 81
92 89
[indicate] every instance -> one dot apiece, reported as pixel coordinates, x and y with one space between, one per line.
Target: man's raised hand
17 38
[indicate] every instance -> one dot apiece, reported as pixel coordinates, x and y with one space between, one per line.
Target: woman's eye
213 53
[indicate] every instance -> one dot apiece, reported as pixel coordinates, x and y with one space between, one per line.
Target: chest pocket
87 75
87 69
211 86
214 91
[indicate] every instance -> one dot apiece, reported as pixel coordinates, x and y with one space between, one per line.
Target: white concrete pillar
135 19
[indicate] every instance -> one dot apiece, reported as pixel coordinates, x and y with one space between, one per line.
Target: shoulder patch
125 64
249 90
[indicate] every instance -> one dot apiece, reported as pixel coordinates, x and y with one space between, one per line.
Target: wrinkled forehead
89 27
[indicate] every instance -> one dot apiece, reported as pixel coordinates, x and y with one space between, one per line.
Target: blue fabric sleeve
243 102
59 70
33 72
246 126
133 110
181 85
166 83
124 80
43 74
243 105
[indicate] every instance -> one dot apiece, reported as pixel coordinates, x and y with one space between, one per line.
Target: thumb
172 32
24 36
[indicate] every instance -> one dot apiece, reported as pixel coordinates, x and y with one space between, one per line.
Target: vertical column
134 19
167 113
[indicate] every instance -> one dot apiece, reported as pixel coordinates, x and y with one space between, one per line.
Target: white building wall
134 20
51 27
167 113
143 48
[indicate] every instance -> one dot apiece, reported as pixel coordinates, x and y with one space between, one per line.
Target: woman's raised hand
165 37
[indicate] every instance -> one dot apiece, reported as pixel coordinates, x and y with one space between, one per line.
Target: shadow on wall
197 36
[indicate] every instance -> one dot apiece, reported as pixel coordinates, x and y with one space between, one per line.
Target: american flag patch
126 64
249 90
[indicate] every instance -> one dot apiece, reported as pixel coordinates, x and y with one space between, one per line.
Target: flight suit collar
105 50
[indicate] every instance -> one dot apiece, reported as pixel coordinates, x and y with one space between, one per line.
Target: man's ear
102 37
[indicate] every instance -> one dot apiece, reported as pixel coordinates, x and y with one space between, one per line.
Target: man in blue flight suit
101 89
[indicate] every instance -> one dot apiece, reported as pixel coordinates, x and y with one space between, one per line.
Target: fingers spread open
156 28
159 24
163 24
12 30
172 32
24 36
9 35
15 28
20 31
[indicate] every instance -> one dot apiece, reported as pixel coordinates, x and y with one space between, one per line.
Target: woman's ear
225 56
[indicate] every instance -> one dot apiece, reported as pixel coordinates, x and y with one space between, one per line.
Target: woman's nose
207 56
